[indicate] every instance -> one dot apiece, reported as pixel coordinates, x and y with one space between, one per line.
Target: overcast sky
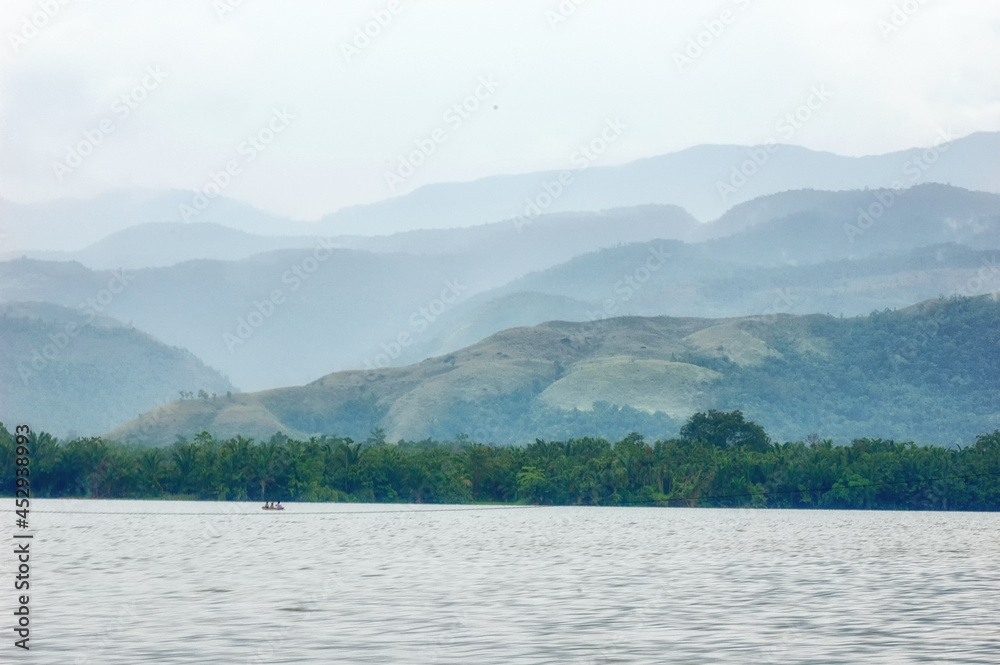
221 76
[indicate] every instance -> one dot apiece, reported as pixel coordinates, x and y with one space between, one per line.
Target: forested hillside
79 372
924 373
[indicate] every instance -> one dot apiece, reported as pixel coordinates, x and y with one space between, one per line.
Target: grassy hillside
86 375
924 373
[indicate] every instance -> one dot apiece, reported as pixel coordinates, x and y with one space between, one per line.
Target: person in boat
278 506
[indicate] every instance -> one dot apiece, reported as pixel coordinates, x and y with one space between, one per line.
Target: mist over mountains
82 373
355 308
923 373
706 181
265 303
164 244
68 225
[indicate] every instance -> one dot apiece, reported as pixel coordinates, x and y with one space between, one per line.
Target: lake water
171 582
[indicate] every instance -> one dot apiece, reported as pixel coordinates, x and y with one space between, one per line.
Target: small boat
277 507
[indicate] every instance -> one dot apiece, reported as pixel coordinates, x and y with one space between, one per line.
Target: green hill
691 284
925 373
86 374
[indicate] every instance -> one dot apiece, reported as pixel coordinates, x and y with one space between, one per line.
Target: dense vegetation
926 373
719 459
83 373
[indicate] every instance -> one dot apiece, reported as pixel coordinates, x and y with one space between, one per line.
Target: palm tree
477 459
151 468
350 455
184 456
265 466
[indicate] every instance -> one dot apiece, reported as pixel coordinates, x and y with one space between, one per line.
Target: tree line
719 459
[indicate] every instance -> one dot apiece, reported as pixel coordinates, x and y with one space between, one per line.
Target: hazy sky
210 75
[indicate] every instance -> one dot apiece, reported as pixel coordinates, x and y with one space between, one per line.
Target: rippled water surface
163 582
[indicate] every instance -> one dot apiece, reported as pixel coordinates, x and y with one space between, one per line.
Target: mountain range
924 373
288 317
704 180
259 302
82 373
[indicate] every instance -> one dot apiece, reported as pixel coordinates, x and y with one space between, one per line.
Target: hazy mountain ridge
80 372
507 249
694 179
934 240
274 319
163 244
602 228
356 309
68 225
345 312
923 373
868 223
